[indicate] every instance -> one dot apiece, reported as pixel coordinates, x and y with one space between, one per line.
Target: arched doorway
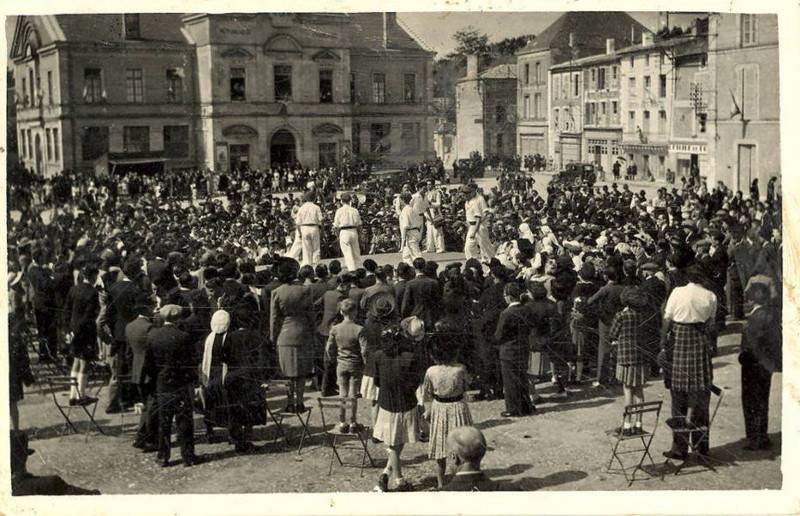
282 149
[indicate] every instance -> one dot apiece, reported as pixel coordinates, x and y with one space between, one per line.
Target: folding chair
303 418
349 441
57 385
701 432
125 382
271 415
642 440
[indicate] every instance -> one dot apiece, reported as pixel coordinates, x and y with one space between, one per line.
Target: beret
171 312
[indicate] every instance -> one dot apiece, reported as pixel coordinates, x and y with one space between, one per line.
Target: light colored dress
444 386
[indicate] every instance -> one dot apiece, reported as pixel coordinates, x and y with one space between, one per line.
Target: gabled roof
680 45
501 71
590 29
588 60
366 31
108 27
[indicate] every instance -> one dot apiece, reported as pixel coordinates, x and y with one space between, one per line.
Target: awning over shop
645 148
123 162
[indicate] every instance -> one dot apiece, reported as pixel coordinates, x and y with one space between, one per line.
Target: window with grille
174 86
662 85
537 105
238 84
92 85
499 113
409 88
50 87
748 26
56 145
527 73
176 141
49 137
326 86
135 85
136 138
379 88
538 72
94 142
526 107
356 138
283 82
601 78
380 138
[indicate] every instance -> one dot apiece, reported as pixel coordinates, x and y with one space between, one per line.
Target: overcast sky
436 29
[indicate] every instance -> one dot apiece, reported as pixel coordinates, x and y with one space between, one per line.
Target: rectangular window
556 121
701 122
631 120
646 84
356 138
576 81
613 107
662 85
631 61
94 142
587 110
380 138
328 157
410 137
176 141
499 144
538 72
50 87
239 157
30 143
136 139
614 72
632 86
409 88
49 138
646 122
238 84
56 145
283 82
174 85
131 26
378 88
24 91
601 78
499 113
135 85
556 86
92 85
326 86
537 105
647 59
527 73
662 121
593 83
603 108
526 107
748 27
353 94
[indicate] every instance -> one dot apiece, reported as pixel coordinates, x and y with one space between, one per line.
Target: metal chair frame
704 431
645 439
335 435
56 386
303 417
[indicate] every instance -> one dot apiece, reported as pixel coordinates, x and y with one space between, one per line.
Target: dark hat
464 189
633 297
538 290
587 271
345 197
650 267
381 305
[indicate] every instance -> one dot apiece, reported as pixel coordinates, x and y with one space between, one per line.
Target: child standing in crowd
380 318
397 377
632 367
443 391
350 346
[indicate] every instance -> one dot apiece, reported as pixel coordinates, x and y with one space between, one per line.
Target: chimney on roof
472 66
609 45
571 40
388 19
647 38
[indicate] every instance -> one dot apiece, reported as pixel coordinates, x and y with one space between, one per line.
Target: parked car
577 173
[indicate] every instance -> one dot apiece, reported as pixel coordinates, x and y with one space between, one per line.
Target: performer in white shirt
347 222
410 230
434 236
309 220
478 244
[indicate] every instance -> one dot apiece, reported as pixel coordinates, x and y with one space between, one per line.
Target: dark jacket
160 273
83 305
397 379
170 358
762 338
121 303
328 304
606 302
545 323
42 290
422 298
513 331
136 334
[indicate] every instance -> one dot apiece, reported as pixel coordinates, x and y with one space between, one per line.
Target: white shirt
346 216
691 304
407 218
309 213
475 208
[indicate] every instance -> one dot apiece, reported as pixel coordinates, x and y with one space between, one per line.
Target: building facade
221 91
574 35
743 99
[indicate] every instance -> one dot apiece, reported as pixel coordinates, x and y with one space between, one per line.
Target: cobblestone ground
563 447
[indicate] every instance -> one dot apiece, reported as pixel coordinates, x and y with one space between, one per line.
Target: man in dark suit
545 328
489 307
120 311
160 272
82 303
136 333
606 303
404 275
170 359
512 334
43 300
422 297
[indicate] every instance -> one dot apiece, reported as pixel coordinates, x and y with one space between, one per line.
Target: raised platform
395 258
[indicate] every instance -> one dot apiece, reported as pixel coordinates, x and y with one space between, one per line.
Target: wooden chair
57 385
338 440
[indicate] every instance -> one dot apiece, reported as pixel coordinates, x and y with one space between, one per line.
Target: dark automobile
577 173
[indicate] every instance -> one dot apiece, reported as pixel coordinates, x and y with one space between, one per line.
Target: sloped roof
108 27
366 32
590 29
501 71
681 45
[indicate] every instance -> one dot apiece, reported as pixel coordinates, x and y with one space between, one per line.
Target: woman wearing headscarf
212 374
292 329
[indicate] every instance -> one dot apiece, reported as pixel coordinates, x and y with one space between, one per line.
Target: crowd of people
204 304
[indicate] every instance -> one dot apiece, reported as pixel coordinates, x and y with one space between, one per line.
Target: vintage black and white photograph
382 252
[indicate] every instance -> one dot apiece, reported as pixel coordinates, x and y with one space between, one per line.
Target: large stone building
572 36
743 99
220 91
485 111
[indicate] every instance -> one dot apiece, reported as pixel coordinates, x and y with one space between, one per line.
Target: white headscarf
220 322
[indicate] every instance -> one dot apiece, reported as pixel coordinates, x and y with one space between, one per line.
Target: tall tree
471 41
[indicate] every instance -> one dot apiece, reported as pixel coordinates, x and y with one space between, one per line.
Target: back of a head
370 265
321 271
335 267
467 443
419 264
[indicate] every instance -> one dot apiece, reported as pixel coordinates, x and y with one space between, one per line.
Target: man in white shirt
347 222
478 243
309 220
410 230
434 238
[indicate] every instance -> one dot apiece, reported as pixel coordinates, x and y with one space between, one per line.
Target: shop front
650 159
602 147
568 148
687 158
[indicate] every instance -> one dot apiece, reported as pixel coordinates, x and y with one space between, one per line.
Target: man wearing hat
468 445
511 334
309 220
170 359
347 222
478 244
434 236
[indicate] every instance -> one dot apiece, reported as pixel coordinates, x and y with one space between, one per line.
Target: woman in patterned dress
443 392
